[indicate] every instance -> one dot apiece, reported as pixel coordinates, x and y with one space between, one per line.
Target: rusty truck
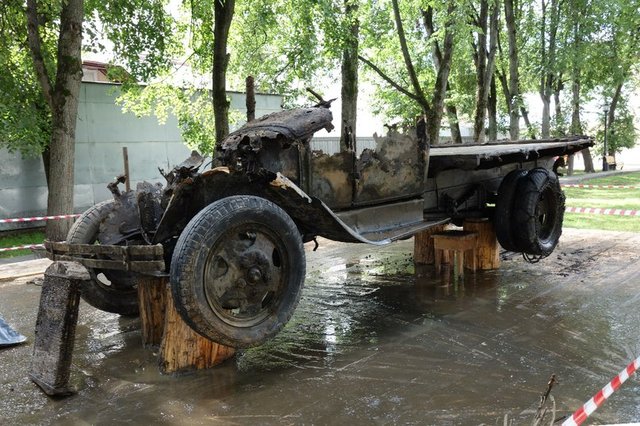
231 233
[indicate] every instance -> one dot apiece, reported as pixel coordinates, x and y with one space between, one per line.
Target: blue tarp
9 336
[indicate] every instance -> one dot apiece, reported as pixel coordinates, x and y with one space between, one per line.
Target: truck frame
231 236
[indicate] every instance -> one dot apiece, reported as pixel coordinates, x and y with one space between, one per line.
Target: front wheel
237 271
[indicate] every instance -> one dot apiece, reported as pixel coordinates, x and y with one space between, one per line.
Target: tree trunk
548 62
349 89
438 59
558 106
492 108
454 123
576 125
251 98
480 56
223 15
45 163
525 116
514 80
588 161
612 115
442 78
484 65
546 116
62 97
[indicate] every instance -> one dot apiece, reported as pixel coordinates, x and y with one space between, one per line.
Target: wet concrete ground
373 341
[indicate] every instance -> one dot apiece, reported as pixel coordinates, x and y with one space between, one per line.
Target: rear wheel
538 213
504 209
237 271
109 290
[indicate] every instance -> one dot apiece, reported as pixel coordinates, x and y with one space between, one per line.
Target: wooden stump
423 252
152 302
488 250
182 349
461 244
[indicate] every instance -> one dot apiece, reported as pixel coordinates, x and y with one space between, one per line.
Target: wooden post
423 252
251 99
488 250
182 349
56 327
127 181
152 302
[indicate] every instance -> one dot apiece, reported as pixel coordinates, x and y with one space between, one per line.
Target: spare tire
504 209
538 213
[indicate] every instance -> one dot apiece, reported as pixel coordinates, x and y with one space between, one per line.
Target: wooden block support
182 349
461 243
56 327
423 252
488 250
152 303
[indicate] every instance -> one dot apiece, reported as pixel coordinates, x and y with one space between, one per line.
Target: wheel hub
243 277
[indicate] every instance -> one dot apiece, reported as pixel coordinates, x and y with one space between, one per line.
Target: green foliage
24 115
140 32
622 134
287 45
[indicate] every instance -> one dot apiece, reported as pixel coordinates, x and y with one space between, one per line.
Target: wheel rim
245 274
545 214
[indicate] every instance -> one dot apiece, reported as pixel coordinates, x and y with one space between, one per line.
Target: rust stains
331 178
394 170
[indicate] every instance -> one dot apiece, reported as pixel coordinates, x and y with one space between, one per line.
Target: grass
630 178
606 198
19 238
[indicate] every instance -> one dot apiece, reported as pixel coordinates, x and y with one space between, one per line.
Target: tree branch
35 46
389 80
405 54
427 19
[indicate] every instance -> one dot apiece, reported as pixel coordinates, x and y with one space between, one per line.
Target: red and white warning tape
598 399
579 185
34 219
610 212
27 247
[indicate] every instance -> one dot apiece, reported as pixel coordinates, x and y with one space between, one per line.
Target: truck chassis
231 237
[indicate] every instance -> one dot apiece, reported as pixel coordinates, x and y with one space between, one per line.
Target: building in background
102 131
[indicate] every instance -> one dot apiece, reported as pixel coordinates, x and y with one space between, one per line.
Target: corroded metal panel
394 170
331 179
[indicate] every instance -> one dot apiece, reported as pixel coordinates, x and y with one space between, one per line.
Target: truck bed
494 154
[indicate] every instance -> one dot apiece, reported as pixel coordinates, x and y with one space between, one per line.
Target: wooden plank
154 251
143 266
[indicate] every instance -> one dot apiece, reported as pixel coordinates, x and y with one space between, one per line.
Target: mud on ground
374 340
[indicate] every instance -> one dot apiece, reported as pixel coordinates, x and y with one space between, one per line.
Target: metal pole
605 165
